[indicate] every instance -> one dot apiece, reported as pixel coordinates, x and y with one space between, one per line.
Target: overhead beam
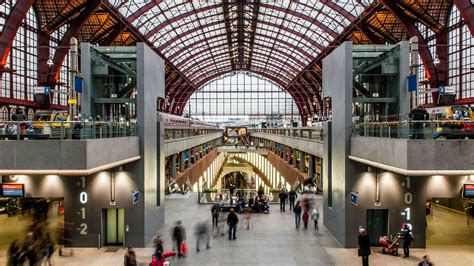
13 22
413 31
228 30
466 9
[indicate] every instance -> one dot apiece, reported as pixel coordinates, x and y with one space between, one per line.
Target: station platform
271 240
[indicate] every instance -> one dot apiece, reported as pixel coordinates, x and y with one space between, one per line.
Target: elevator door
114 226
377 225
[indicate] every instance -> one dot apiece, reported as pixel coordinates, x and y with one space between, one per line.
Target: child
305 218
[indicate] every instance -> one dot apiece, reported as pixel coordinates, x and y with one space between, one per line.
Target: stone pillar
295 165
181 162
173 165
310 166
302 161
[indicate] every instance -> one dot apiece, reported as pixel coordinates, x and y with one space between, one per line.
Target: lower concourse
271 240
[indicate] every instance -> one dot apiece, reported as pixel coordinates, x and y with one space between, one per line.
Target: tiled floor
272 240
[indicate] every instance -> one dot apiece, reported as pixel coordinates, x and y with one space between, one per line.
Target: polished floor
271 240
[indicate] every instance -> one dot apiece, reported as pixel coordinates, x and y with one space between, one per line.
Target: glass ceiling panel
204 38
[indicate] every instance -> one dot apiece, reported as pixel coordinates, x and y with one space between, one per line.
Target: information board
13 190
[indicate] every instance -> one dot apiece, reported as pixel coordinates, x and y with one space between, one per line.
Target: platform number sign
83 200
408 197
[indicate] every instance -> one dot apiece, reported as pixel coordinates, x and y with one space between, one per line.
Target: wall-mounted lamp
436 61
377 189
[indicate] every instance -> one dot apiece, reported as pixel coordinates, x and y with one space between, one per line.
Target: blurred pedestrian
14 254
292 197
202 232
297 211
283 198
407 236
29 249
364 246
130 258
215 211
426 261
315 217
248 216
232 221
179 236
305 218
48 248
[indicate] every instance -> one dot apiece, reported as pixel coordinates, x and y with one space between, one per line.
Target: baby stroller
390 246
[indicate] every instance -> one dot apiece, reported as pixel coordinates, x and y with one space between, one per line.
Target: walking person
364 246
292 196
232 221
305 218
130 258
215 211
160 256
179 236
202 232
315 217
297 211
283 197
426 261
406 235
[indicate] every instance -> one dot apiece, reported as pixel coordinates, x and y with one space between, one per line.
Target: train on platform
170 120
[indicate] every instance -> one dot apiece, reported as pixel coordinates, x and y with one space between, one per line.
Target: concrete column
310 166
173 165
294 158
181 162
302 161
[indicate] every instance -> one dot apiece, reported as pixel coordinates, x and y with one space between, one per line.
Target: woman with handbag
364 246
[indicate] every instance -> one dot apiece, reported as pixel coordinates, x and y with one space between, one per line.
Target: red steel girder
467 13
205 59
13 22
63 49
412 30
217 37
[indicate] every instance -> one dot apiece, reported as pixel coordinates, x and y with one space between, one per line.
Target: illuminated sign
355 198
13 190
468 191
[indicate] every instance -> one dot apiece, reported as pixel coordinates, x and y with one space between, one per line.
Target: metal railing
416 129
312 133
33 130
186 132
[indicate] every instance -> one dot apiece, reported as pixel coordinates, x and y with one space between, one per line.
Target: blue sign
355 198
136 197
411 83
78 84
442 89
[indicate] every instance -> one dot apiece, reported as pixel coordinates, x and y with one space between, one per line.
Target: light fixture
50 62
436 61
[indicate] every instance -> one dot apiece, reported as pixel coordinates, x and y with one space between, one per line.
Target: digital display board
13 190
468 191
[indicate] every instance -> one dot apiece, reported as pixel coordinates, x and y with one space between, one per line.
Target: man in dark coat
418 114
232 221
179 236
283 197
407 237
292 197
364 246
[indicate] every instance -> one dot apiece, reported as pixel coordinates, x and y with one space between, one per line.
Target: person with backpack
315 217
292 197
215 211
130 258
297 211
407 237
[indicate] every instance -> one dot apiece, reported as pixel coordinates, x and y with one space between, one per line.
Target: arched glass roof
206 39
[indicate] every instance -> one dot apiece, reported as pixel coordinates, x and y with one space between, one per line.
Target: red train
170 120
